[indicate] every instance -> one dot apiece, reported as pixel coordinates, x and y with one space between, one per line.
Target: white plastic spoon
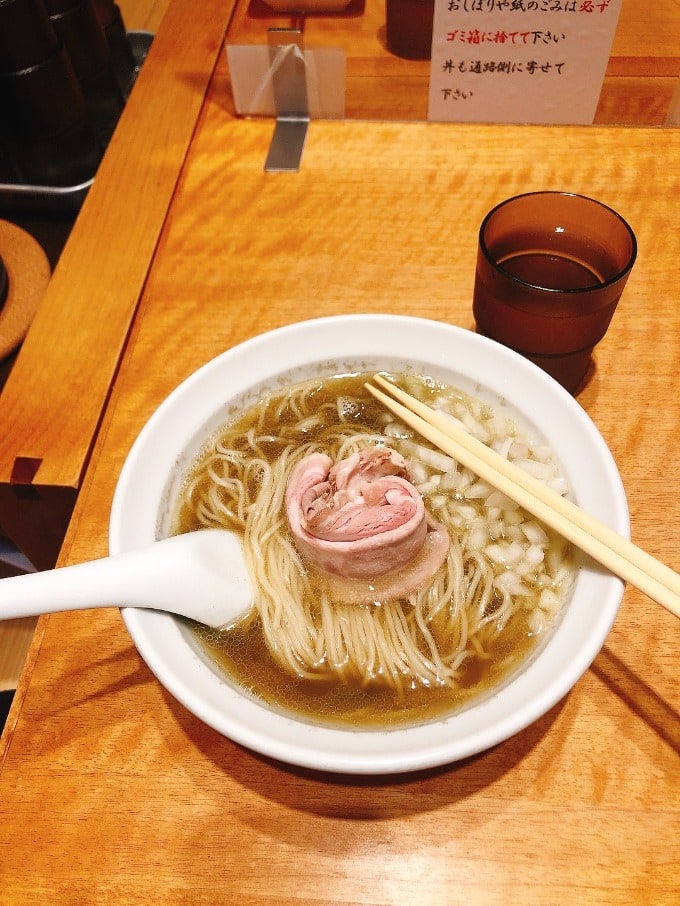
201 575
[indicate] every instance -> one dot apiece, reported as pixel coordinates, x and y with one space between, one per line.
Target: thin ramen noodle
307 647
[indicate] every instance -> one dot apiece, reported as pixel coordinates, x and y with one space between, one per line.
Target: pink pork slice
362 519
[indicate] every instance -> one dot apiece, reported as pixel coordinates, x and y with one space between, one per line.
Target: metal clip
289 79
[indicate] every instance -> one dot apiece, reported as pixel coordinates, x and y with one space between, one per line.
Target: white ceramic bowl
167 444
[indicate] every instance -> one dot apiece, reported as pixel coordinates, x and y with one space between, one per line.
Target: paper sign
253 70
520 61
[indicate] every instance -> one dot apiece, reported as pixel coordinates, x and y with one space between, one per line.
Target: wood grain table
643 68
110 792
75 346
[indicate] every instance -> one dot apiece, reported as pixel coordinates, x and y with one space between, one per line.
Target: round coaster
28 273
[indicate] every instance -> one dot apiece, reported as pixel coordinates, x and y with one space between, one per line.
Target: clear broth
247 662
242 654
552 270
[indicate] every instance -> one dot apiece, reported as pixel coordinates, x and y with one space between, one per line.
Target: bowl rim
197 405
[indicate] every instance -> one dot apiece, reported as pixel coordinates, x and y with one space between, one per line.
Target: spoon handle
199 574
109 582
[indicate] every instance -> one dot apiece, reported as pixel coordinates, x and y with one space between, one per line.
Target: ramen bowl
158 462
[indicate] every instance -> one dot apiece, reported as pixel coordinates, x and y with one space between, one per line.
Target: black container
4 282
42 100
87 46
106 11
27 37
7 172
44 124
68 159
57 7
84 38
122 53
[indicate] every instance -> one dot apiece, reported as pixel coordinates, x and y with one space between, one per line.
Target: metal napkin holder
292 83
289 81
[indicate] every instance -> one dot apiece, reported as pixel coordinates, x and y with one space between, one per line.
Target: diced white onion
535 533
548 600
511 583
502 447
526 562
513 532
478 491
497 498
542 471
513 517
534 555
432 458
519 450
451 480
467 512
559 485
477 538
505 554
536 620
543 453
428 487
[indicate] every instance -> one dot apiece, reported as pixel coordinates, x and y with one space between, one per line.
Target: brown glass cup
408 28
551 267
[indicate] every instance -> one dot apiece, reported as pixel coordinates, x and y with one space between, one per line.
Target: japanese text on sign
520 61
530 6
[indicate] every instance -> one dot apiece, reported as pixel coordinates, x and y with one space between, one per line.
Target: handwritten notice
520 61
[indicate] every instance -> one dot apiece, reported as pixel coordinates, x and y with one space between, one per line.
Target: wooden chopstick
605 546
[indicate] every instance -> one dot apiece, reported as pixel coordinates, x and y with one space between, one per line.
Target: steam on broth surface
305 648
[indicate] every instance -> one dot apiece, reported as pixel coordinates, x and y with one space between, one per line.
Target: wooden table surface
643 67
77 339
110 791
